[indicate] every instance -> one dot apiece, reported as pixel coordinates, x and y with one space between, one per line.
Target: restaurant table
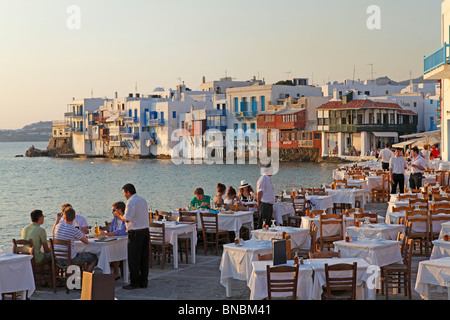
377 252
329 230
376 231
348 195
107 252
299 237
433 272
320 202
445 229
173 230
365 289
441 249
363 183
16 274
258 280
237 261
281 209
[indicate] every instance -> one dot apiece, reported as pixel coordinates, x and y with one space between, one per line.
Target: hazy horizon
154 44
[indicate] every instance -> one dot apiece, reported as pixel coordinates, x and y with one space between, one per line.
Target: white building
367 87
437 67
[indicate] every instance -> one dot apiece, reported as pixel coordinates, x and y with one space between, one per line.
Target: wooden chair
342 207
415 191
277 284
44 269
439 216
158 247
21 247
184 240
299 204
211 233
412 203
314 212
161 214
340 288
400 209
61 260
382 193
422 238
439 205
324 255
398 273
361 217
330 220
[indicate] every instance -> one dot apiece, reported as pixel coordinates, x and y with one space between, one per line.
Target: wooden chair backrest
418 202
441 215
341 181
157 232
61 250
330 219
23 246
418 216
324 254
340 283
373 217
314 212
187 216
282 285
211 223
408 196
399 209
264 257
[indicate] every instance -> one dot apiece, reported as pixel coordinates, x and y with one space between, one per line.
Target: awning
436 133
111 119
386 134
405 143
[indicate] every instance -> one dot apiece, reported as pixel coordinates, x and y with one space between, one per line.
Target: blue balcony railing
249 114
155 122
216 113
435 60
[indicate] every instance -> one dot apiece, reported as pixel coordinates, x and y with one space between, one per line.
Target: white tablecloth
106 252
441 249
348 196
237 261
376 252
299 236
432 272
320 202
445 228
16 274
258 281
366 278
281 209
376 231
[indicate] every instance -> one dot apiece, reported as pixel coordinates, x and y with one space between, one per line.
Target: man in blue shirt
118 228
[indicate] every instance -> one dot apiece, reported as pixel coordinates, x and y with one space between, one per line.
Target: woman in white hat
246 193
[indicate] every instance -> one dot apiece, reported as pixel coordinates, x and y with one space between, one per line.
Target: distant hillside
39 131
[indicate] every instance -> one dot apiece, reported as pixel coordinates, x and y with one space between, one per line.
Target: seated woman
200 200
231 197
118 228
246 193
218 200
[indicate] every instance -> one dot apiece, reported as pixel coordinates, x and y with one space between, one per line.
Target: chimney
115 94
203 79
335 94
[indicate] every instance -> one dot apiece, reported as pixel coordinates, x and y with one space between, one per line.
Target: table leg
24 294
175 252
192 247
228 287
125 271
448 293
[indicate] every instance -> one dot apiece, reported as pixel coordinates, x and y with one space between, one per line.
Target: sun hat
244 184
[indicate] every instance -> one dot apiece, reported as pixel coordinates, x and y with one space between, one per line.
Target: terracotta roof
359 104
408 112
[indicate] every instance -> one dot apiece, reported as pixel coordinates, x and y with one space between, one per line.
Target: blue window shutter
130 113
263 103
254 105
236 105
174 114
244 127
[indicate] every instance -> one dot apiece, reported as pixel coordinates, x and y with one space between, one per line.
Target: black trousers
385 165
415 180
138 257
398 179
265 214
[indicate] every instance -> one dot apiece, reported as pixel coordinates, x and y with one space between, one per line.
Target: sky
55 50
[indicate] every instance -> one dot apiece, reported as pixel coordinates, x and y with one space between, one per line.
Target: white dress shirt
397 165
136 213
386 155
265 185
418 161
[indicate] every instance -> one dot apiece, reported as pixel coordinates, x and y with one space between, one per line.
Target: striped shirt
66 232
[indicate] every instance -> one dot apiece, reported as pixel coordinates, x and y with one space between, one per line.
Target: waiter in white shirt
137 221
265 196
417 169
397 167
385 155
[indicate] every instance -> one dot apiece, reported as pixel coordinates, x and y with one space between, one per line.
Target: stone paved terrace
200 281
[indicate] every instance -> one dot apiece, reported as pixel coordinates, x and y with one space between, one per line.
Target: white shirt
265 185
136 213
418 161
386 155
398 165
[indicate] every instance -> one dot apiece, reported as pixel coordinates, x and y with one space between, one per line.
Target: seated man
200 200
118 228
35 232
79 222
66 231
